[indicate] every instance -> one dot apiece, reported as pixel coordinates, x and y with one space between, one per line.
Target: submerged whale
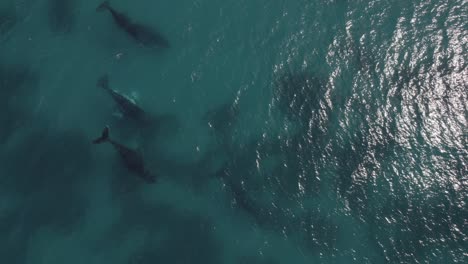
132 159
142 34
126 105
134 117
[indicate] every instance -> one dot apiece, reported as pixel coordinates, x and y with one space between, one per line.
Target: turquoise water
289 132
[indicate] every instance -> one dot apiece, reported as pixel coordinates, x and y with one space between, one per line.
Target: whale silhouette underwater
132 159
132 117
140 33
126 105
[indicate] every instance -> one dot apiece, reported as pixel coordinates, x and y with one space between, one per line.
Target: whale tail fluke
103 82
103 6
104 136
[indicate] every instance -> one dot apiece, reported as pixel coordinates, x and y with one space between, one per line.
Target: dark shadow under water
44 173
61 14
18 96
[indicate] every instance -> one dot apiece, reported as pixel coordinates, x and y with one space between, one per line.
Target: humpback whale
132 159
142 34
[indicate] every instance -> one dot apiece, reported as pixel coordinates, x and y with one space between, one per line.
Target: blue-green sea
306 131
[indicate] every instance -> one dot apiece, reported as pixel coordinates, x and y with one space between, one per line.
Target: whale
134 119
140 33
132 159
127 106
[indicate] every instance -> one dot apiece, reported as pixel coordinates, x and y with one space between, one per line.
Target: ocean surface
318 131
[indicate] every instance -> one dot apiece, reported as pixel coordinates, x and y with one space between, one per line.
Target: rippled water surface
281 132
